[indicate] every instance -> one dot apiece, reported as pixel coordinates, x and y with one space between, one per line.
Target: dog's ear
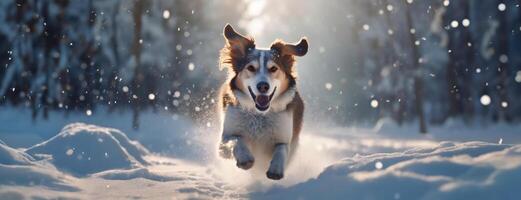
237 42
284 49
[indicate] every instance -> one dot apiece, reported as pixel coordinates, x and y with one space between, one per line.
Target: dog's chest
271 127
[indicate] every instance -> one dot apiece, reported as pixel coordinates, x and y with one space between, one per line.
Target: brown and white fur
260 107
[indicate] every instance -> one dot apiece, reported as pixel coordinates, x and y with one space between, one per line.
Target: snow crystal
151 96
446 3
501 7
166 14
329 86
374 103
465 22
69 152
177 94
485 100
88 112
390 7
378 165
454 24
518 77
365 27
191 66
503 58
175 103
504 104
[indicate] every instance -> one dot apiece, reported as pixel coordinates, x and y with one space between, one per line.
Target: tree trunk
47 60
399 93
136 50
114 83
417 72
503 71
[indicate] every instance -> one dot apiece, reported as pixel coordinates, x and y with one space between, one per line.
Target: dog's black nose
263 87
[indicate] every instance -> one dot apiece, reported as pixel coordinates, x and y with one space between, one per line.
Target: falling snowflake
191 66
329 86
69 152
485 100
374 103
454 24
166 14
501 7
378 165
151 96
465 22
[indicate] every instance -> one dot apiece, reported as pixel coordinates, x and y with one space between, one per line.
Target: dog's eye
273 69
250 68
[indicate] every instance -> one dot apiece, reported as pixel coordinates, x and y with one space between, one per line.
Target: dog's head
262 77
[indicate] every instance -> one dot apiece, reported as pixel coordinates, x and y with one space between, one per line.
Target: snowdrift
78 153
83 149
473 170
96 162
19 168
10 156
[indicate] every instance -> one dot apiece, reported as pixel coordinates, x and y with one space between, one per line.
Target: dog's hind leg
235 144
278 162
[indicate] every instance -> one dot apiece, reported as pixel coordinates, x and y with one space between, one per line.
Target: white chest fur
270 128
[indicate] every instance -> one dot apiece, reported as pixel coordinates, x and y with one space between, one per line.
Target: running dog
260 107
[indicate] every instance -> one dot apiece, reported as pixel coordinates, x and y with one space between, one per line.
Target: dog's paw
246 164
274 175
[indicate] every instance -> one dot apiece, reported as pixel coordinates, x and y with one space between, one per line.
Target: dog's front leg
240 151
278 162
242 154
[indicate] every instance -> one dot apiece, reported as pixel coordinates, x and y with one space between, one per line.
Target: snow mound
118 174
35 175
10 156
83 149
472 170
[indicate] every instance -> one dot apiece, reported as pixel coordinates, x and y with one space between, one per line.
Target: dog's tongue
262 100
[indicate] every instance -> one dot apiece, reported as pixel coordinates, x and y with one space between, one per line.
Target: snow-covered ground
101 157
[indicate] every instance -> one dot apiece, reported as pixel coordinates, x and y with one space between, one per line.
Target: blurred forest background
413 61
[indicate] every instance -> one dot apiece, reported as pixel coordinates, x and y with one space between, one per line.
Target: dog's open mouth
262 102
